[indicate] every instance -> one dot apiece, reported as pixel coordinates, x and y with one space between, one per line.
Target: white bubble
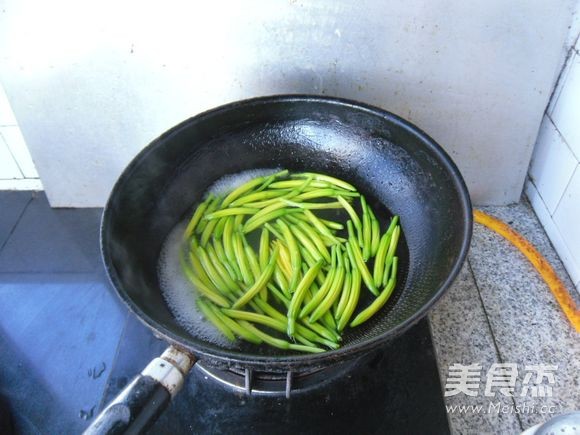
229 182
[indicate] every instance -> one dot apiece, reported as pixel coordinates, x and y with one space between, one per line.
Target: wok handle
142 401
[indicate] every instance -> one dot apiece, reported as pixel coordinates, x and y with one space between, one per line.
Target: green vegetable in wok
281 260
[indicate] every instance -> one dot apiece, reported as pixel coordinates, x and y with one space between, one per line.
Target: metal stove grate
285 384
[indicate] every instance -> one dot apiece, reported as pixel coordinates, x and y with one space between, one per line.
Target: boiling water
178 292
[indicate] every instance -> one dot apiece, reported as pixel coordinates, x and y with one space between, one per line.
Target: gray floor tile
53 240
461 334
12 205
137 347
59 334
526 320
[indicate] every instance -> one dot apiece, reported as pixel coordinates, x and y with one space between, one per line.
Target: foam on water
178 292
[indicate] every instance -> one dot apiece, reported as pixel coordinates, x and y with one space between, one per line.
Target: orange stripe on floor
538 261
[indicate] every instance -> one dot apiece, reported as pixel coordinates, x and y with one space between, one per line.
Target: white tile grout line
491 331
562 137
563 191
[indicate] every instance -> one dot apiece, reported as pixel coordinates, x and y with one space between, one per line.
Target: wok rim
231 357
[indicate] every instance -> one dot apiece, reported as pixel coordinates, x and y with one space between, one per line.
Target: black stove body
395 389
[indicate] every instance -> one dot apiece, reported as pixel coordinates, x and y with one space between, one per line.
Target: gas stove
395 389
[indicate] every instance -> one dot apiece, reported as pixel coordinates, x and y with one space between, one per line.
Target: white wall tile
13 138
6 114
21 184
552 165
570 263
566 112
8 167
567 216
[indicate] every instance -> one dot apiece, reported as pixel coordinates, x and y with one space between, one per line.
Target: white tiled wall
17 171
553 186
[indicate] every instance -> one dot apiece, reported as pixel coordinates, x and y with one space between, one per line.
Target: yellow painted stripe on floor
538 261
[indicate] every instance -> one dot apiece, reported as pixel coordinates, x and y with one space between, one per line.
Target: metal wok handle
144 399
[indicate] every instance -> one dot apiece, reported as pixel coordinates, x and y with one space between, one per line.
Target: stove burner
275 384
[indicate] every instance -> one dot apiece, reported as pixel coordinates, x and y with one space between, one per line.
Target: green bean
313 205
330 323
311 261
284 262
343 295
219 250
273 230
274 323
395 266
265 203
354 217
229 243
276 342
391 252
356 259
306 243
213 275
319 296
213 203
285 300
331 295
367 231
317 223
241 258
219 228
275 206
233 211
353 298
239 191
321 177
252 259
198 268
260 283
271 178
235 327
221 270
375 306
298 296
238 220
207 232
217 322
291 184
299 189
313 236
376 233
295 257
196 217
321 330
200 286
281 281
393 224
350 230
380 259
307 331
260 196
332 224
321 193
302 348
264 248
248 227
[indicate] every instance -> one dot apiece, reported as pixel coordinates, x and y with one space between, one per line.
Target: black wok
388 159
